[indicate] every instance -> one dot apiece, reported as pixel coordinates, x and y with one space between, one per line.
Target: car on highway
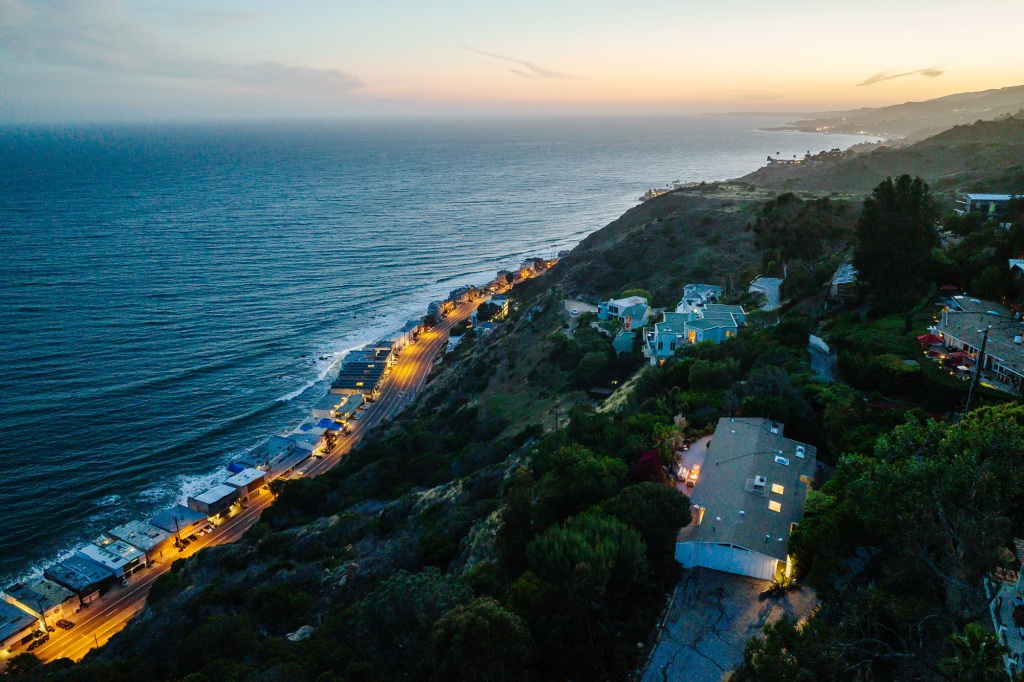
65 624
38 643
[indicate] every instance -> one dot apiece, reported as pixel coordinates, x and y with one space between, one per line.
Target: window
672 346
778 489
660 344
775 506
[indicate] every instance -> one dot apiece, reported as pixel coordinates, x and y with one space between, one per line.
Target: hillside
983 156
503 529
916 120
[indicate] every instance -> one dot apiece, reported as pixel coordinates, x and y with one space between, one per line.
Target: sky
79 60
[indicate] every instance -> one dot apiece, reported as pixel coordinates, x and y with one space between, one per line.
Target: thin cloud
93 35
529 70
930 72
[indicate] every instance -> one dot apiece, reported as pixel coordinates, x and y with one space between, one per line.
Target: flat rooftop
244 478
973 316
140 534
77 574
39 593
177 518
328 402
216 494
114 558
752 487
14 621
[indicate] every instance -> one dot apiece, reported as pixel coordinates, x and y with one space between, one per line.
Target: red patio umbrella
929 339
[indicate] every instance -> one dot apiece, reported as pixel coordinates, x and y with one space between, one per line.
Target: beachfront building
15 625
749 497
42 599
143 536
216 500
247 482
961 329
83 577
989 205
325 407
633 311
117 556
696 296
179 521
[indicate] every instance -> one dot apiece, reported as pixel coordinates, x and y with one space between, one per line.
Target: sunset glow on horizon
138 59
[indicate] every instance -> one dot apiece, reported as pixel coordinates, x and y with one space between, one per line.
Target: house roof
244 478
975 315
77 573
736 509
636 312
216 494
39 594
13 621
845 274
629 301
140 534
177 518
991 197
674 323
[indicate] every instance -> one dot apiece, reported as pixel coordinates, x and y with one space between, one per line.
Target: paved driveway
713 615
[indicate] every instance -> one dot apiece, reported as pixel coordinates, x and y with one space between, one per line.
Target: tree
24 665
895 232
482 642
655 510
642 293
977 656
592 547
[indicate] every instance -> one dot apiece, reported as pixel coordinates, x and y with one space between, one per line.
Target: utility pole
977 368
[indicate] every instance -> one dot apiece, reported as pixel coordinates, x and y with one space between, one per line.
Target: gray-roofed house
117 556
215 500
263 454
843 284
143 536
14 625
748 498
43 599
248 482
960 328
633 311
991 205
180 520
80 575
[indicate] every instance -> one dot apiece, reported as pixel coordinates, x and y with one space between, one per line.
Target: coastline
115 608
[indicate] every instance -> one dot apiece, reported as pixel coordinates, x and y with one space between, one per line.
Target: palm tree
977 656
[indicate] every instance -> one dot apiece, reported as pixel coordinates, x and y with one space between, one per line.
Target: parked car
38 643
37 633
28 638
65 624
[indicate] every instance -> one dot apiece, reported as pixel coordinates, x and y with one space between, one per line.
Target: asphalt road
108 615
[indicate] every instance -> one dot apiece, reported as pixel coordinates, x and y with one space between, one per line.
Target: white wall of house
727 558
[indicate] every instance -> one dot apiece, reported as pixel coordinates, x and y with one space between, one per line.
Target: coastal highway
109 614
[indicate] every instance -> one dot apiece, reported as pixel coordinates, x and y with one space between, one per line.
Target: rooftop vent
779 459
760 482
801 451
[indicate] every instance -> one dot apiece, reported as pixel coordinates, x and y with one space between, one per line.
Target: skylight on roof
775 506
784 461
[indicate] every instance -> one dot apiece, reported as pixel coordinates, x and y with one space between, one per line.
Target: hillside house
633 312
961 329
748 498
712 322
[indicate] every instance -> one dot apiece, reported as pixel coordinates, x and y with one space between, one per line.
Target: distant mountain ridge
912 121
983 156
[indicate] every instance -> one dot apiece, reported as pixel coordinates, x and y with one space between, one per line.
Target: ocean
171 295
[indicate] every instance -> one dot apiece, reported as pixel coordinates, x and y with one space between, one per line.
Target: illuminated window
775 506
778 489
